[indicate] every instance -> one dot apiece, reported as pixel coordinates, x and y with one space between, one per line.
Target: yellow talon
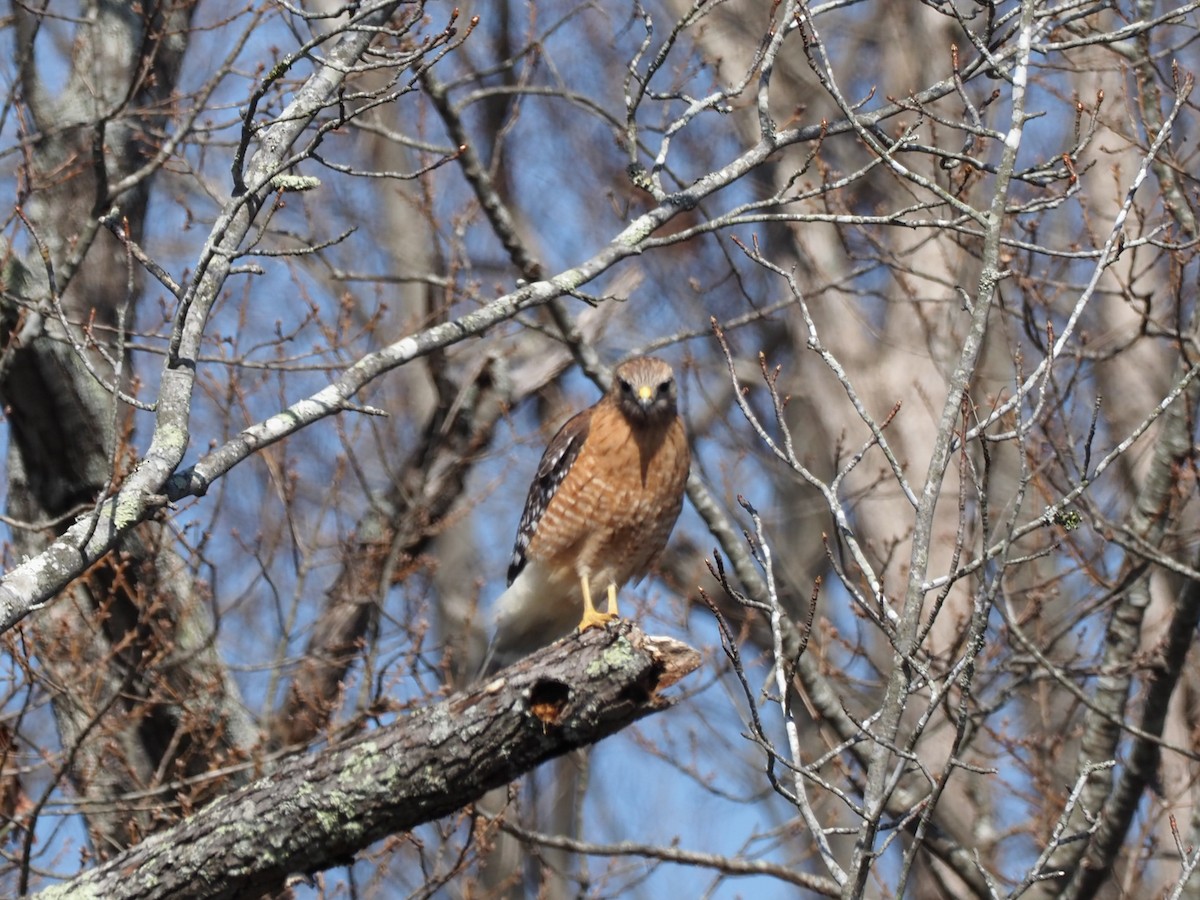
592 617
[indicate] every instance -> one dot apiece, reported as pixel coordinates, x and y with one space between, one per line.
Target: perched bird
601 506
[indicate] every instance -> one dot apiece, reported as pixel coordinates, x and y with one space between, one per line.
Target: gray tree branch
314 812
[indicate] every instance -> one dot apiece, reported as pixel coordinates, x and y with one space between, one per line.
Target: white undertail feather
535 611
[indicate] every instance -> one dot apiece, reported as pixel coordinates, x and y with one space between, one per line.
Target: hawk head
644 389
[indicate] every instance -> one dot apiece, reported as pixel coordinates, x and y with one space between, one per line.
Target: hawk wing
556 462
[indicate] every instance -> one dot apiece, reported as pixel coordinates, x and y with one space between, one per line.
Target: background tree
293 296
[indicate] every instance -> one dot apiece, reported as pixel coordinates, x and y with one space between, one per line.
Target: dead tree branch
314 812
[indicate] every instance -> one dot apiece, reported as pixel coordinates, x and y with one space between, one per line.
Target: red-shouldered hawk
604 500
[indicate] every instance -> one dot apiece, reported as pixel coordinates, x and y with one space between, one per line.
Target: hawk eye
626 387
664 388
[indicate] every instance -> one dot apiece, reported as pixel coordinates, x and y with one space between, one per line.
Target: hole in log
548 700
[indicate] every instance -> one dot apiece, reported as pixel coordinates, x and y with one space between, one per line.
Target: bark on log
314 812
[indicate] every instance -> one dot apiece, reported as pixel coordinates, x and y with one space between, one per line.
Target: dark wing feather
556 462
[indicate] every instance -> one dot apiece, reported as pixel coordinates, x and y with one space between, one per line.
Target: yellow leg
592 617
